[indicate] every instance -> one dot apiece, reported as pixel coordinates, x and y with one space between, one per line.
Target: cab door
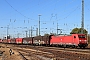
75 40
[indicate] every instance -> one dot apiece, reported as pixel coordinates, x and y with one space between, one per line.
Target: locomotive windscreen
81 36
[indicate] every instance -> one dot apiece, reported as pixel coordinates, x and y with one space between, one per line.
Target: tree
49 34
53 34
46 34
78 31
89 38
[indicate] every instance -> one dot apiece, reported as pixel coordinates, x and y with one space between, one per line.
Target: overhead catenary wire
71 12
16 10
68 14
53 16
88 9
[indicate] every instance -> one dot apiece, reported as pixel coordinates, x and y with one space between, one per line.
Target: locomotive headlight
85 40
80 40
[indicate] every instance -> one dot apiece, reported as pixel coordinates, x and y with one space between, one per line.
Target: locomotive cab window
81 36
74 36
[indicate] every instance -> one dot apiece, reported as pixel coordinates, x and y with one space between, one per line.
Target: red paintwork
67 40
13 40
19 40
83 40
9 40
4 41
0 40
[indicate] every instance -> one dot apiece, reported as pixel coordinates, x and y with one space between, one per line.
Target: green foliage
89 38
78 31
46 34
52 33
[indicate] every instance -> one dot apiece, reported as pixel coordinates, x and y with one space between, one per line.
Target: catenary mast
82 23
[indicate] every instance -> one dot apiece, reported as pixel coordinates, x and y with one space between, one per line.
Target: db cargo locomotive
73 40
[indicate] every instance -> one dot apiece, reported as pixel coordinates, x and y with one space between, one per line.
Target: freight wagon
19 40
27 40
0 40
41 40
9 40
4 41
13 41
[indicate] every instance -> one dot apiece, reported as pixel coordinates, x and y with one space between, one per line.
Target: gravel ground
88 45
6 55
16 56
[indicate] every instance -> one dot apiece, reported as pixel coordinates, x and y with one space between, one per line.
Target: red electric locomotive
74 40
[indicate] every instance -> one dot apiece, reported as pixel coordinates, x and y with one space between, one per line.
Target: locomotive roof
68 34
64 35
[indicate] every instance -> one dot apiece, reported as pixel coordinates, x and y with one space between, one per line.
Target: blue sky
19 14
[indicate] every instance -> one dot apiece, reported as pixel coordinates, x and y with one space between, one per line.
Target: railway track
24 58
42 53
78 50
39 55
